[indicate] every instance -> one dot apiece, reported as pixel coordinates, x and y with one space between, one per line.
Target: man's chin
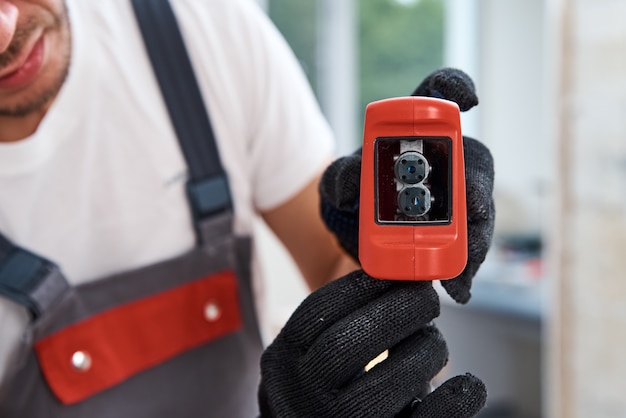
28 107
37 100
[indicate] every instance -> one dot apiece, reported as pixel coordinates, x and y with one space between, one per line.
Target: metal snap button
212 311
81 361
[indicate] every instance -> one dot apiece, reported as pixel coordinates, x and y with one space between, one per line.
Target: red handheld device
413 215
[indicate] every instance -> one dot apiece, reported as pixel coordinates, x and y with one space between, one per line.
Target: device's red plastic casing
403 251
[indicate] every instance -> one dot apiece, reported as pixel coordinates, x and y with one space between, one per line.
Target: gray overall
174 339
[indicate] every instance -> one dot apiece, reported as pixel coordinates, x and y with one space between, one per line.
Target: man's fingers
343 350
459 397
450 84
479 178
479 175
340 183
390 385
329 304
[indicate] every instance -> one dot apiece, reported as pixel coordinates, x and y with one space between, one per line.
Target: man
90 169
93 178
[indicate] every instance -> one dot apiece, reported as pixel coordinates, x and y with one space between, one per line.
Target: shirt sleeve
272 135
290 139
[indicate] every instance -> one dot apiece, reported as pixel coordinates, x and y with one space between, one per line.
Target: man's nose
8 22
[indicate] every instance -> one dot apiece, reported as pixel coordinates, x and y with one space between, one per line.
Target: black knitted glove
315 367
340 186
450 84
480 216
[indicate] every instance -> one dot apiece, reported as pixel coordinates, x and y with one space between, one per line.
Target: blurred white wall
337 73
551 77
589 301
501 45
462 46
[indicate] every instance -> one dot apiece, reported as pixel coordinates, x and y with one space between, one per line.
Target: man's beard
39 98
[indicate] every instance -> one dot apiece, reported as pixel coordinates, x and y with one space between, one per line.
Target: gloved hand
340 186
315 367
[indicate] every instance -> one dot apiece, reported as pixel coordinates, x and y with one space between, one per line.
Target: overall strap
35 282
207 187
28 279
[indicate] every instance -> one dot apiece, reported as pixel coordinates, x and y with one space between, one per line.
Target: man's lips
26 67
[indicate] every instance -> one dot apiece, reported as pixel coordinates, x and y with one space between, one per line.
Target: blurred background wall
588 305
546 325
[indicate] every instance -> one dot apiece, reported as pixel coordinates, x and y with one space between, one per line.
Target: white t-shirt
99 188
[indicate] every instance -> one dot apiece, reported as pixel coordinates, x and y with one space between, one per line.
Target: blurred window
396 44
